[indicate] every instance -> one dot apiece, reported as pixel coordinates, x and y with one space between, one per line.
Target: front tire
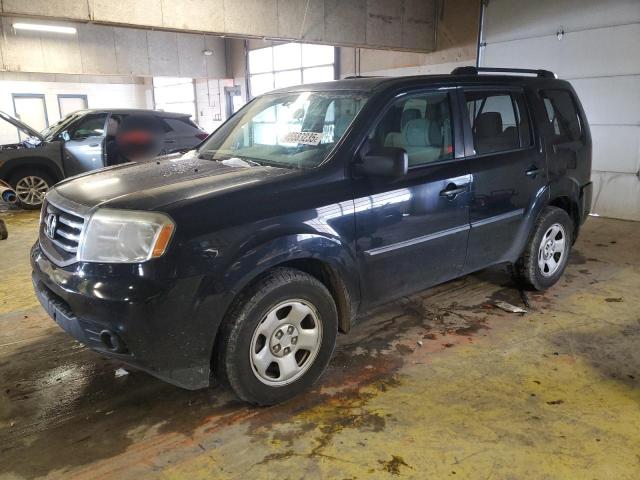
31 185
278 337
547 252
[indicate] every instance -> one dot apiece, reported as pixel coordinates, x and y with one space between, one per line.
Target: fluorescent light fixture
34 27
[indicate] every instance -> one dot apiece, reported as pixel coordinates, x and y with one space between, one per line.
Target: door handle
452 191
94 145
534 171
169 141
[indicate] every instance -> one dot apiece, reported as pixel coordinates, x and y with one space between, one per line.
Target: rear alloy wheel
547 251
278 337
31 188
551 250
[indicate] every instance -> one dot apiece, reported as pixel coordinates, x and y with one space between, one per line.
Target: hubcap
31 190
285 343
552 250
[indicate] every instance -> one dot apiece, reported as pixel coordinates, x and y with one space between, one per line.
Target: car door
412 231
84 144
507 167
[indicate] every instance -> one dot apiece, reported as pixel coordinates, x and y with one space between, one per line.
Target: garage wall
112 92
455 45
403 24
598 54
99 49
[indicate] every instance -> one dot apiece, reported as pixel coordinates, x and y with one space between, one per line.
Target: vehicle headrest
488 124
415 133
435 134
342 123
408 115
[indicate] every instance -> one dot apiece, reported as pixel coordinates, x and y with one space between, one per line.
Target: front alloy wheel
278 337
31 190
286 343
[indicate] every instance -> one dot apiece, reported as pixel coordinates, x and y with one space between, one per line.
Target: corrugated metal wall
599 53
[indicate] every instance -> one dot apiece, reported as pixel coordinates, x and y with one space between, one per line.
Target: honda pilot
242 260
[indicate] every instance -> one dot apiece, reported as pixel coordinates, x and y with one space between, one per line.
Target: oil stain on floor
437 385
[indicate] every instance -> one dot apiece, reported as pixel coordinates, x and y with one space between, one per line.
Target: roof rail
476 70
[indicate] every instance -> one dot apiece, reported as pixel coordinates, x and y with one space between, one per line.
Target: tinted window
89 126
180 124
419 124
562 115
499 121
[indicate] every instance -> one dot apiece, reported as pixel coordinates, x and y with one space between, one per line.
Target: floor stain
394 465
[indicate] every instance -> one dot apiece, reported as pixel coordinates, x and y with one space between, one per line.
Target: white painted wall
599 55
101 93
211 102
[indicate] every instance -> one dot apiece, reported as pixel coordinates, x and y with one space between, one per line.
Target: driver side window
90 126
421 125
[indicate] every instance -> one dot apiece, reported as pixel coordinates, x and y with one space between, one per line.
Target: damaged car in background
82 141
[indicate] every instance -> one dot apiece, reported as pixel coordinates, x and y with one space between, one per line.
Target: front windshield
294 130
53 130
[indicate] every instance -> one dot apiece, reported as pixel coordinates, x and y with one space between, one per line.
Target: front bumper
166 327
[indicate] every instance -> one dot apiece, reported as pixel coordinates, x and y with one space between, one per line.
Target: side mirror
65 136
383 162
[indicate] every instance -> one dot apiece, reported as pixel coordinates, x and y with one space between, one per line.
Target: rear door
84 144
508 171
412 231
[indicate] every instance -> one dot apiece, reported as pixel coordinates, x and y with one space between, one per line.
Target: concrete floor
554 393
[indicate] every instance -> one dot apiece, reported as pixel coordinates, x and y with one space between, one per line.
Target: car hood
155 184
22 126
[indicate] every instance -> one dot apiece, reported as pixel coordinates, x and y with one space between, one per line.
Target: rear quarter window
562 115
180 124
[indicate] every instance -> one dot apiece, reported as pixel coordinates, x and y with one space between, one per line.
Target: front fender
277 251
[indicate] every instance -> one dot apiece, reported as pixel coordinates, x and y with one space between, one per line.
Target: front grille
60 233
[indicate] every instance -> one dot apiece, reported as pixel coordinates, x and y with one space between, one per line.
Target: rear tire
31 185
278 337
547 252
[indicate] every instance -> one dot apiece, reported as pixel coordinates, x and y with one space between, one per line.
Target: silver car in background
78 143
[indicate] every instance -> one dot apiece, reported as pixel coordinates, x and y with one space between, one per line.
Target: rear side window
421 125
499 121
180 124
562 115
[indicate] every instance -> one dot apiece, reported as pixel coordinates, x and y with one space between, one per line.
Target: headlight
124 236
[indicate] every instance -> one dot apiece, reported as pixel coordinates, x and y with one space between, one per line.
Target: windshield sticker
303 138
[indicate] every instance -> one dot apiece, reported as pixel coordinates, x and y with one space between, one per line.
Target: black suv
81 141
243 259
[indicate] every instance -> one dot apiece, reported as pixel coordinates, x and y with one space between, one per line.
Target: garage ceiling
397 24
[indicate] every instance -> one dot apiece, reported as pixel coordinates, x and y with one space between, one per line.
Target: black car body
79 143
363 222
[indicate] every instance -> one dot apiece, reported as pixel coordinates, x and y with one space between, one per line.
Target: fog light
112 341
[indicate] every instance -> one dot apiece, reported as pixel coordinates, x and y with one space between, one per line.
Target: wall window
289 64
563 115
499 121
173 94
71 103
419 124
